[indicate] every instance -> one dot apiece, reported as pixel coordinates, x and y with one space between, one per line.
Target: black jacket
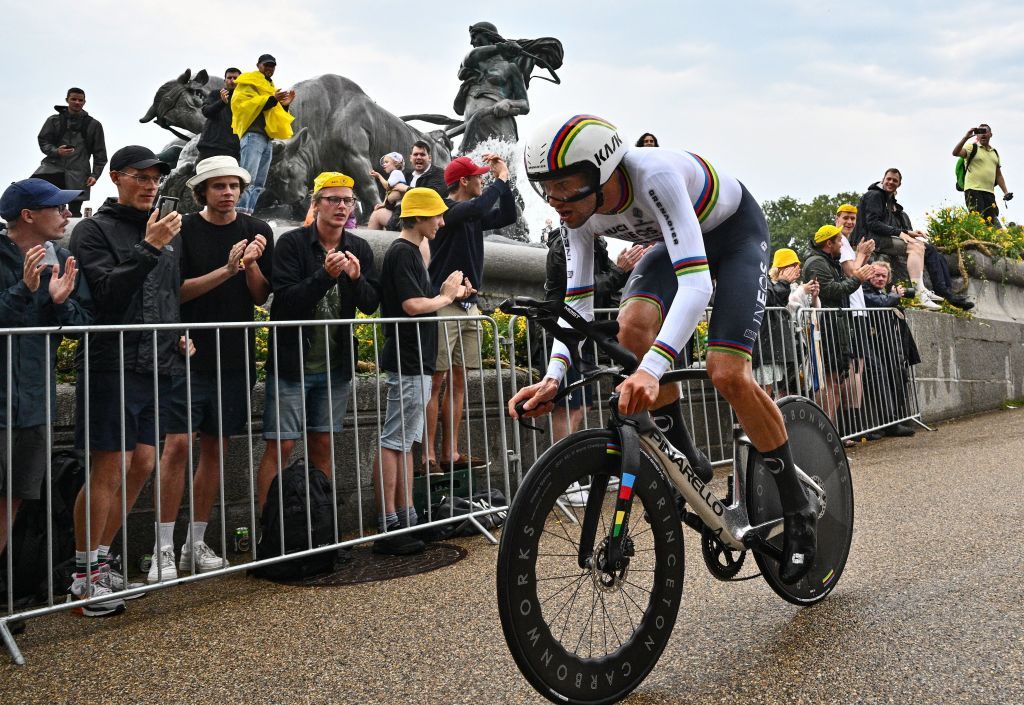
21 308
878 216
217 136
131 282
834 293
85 134
775 339
300 282
433 178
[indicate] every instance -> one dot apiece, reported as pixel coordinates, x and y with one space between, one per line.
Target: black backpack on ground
296 537
28 539
447 507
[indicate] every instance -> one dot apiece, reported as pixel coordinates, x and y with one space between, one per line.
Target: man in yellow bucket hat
408 360
321 271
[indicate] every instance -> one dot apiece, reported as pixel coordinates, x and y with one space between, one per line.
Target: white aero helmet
583 144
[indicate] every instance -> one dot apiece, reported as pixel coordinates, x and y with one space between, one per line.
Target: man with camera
983 172
70 139
129 255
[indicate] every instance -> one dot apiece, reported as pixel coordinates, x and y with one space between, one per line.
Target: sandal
431 469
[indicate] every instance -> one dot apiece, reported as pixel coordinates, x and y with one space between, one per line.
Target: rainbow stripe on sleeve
690 265
708 197
561 357
665 350
579 293
625 492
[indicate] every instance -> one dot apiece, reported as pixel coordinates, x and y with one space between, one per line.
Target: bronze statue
495 76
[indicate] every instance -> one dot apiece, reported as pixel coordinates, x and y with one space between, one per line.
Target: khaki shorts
458 343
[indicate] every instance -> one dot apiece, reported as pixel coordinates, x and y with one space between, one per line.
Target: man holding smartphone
129 258
983 174
70 139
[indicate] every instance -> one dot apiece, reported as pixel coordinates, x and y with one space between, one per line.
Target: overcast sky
793 98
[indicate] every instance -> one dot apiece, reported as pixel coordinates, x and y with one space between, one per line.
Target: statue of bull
179 103
337 128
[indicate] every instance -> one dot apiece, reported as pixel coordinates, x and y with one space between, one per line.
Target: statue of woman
495 75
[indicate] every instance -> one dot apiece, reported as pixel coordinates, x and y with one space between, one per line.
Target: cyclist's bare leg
639 323
757 413
763 423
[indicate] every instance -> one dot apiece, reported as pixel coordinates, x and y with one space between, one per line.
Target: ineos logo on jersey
601 155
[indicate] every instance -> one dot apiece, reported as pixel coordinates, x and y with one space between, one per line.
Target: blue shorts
105 409
737 252
403 420
320 417
232 404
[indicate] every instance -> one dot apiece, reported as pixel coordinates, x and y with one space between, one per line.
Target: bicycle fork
616 548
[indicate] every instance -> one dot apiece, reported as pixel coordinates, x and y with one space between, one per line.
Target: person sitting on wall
891 350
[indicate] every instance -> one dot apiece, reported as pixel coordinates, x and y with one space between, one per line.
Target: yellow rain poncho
251 92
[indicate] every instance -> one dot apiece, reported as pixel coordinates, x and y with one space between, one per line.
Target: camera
909 292
980 130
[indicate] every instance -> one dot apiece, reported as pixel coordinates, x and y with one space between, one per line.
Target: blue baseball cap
32 193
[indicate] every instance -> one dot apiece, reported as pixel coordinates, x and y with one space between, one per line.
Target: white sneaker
933 296
100 587
576 496
206 558
924 302
164 562
117 583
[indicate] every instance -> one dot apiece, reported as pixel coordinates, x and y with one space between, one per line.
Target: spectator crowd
131 264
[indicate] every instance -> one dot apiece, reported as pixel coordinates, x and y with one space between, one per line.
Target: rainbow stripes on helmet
565 136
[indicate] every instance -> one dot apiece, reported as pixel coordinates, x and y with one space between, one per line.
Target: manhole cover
367 566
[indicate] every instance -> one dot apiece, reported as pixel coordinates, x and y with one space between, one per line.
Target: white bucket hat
218 166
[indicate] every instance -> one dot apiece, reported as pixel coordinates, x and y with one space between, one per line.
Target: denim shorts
233 406
319 414
403 420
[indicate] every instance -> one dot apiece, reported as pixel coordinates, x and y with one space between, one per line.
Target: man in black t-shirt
225 270
408 361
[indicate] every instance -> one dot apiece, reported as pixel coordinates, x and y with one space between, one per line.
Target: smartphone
165 205
980 130
49 255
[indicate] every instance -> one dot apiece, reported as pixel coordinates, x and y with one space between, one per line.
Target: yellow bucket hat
422 202
825 232
332 179
846 208
784 257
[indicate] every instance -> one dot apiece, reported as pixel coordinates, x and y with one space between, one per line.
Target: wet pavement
929 610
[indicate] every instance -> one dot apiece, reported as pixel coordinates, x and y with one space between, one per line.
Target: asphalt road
929 610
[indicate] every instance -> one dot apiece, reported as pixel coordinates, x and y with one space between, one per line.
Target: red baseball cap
463 166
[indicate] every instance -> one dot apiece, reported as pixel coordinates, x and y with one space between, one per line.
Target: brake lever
520 410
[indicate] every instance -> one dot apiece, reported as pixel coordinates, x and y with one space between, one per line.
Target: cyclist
706 225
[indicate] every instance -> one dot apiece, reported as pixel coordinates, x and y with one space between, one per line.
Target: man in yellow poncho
259 114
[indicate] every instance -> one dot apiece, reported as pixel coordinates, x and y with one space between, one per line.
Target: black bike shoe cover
798 543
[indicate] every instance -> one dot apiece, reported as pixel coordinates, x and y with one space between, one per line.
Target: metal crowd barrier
859 367
483 420
787 359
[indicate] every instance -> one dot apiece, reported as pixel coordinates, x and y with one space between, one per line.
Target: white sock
166 535
102 552
919 284
197 534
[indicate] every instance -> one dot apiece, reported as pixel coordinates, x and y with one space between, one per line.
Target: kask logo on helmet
608 149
